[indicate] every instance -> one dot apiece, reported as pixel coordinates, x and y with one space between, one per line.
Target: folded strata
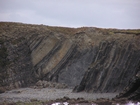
87 59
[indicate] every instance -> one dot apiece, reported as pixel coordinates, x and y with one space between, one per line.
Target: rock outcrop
87 59
113 66
132 91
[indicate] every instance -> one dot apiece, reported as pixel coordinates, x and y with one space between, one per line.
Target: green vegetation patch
3 62
16 41
3 54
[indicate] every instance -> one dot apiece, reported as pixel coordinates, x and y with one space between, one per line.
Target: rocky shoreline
50 96
52 93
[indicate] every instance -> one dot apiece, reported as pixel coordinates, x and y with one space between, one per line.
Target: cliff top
83 35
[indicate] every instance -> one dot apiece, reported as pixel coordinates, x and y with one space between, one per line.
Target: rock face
113 66
132 91
86 59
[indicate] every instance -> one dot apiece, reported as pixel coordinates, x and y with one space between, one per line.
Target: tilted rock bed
88 59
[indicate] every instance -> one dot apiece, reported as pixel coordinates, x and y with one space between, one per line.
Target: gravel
28 94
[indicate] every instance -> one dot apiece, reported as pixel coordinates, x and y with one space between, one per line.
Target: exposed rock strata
132 91
113 66
89 59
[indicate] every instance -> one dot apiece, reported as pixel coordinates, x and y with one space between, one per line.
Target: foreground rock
87 59
73 101
45 84
132 91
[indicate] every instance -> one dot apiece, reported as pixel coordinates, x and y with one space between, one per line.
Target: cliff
87 59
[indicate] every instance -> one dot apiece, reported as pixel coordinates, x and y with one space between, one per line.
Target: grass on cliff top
12 28
3 54
123 31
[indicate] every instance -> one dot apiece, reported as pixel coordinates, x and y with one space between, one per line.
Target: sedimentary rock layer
87 59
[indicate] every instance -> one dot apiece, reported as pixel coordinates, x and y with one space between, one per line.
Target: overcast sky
73 13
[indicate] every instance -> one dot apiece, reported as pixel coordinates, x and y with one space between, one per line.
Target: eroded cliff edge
87 59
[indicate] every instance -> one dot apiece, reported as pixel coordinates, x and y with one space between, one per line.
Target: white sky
73 13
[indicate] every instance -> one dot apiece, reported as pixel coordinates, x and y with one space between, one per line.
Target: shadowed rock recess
87 59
